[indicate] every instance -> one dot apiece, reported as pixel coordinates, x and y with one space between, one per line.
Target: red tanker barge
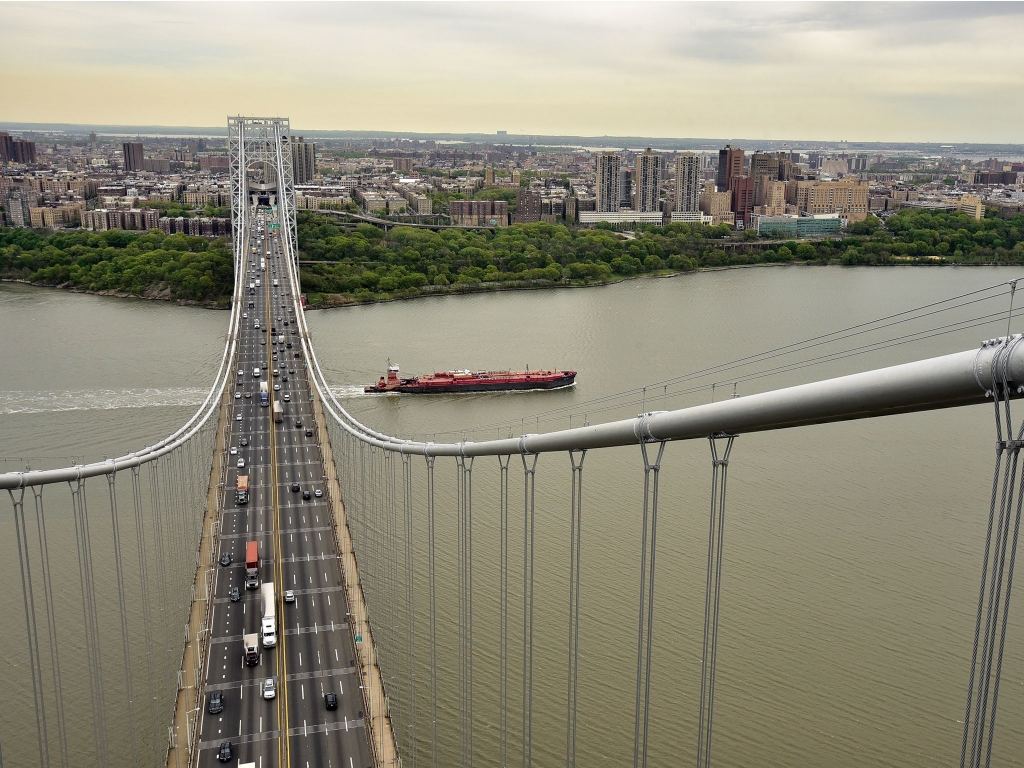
472 381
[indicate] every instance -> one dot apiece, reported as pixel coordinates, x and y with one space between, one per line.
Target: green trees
190 268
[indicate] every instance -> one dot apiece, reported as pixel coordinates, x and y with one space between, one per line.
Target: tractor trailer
251 649
242 490
264 394
278 411
269 625
252 565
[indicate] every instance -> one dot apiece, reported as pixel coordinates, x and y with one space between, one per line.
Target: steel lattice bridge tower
366 607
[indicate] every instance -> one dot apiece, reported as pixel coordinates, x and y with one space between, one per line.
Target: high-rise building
688 182
303 161
607 182
528 206
730 163
648 181
133 157
16 150
92 139
6 147
742 188
626 188
764 167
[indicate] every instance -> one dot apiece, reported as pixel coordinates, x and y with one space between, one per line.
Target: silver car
241 462
269 688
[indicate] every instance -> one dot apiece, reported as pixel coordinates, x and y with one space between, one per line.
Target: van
255 373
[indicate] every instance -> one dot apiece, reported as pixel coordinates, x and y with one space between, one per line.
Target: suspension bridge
252 588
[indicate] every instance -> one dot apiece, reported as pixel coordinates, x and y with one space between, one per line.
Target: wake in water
99 399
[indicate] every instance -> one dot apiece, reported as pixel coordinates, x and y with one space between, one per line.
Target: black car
298 422
305 495
224 753
216 703
235 595
298 355
295 486
331 700
225 558
244 442
289 345
309 433
264 366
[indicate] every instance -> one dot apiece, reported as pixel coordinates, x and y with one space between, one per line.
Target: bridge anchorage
358 573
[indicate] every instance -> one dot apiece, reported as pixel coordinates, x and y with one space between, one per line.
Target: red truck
252 565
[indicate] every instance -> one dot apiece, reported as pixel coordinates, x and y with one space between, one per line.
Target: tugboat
447 382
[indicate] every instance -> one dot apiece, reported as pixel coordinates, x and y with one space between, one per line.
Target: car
286 322
248 395
269 688
215 704
298 422
235 595
245 315
224 753
233 451
225 559
305 495
289 596
264 366
318 493
293 331
263 342
240 463
284 378
295 486
238 417
276 373
240 383
289 345
309 433
331 700
238 395
287 398
291 370
279 318
243 442
263 330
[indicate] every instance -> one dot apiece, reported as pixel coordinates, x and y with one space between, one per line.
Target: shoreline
161 295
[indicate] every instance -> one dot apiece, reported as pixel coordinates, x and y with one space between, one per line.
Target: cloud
908 71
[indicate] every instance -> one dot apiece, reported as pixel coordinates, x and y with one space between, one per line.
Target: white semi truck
269 626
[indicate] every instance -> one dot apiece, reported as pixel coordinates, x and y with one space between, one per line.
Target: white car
269 688
238 417
241 462
234 451
277 387
287 398
289 596
238 395
318 493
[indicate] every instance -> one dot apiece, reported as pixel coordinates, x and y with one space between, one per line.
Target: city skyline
854 72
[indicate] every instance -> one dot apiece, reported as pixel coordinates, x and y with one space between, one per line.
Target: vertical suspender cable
646 612
51 622
712 596
574 604
42 737
89 594
433 610
125 640
529 519
503 462
410 608
140 536
92 653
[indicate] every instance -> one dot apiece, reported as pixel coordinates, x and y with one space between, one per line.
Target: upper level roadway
314 649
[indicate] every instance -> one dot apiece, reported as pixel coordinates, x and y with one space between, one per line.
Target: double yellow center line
283 743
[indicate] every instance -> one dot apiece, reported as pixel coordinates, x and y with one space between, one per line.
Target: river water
852 551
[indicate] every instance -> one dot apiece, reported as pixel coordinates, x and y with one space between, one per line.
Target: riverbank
152 294
319 301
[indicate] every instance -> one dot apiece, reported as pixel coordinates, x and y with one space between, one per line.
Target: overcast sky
830 71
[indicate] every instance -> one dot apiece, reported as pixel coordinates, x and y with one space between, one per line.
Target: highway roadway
314 652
